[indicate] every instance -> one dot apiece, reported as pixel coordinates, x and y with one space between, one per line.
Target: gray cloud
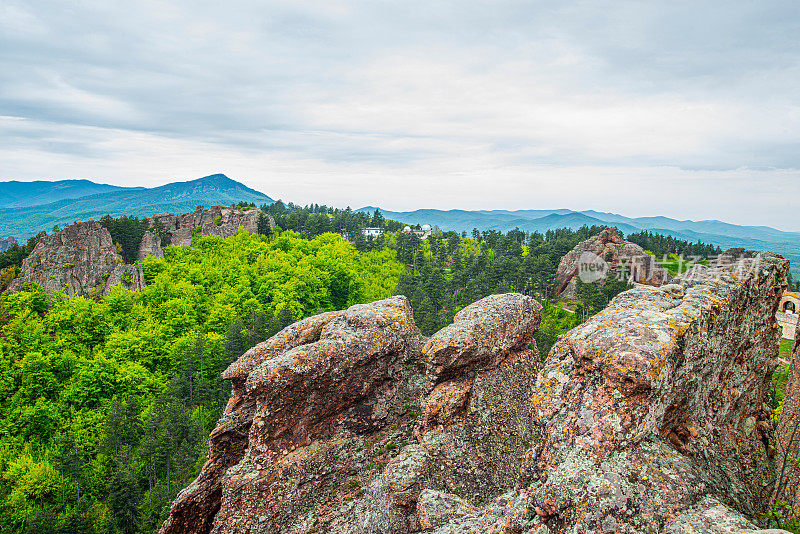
341 102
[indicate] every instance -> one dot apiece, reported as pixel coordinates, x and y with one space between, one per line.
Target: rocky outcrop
647 418
6 243
788 434
476 423
216 220
81 259
606 254
150 246
653 411
315 411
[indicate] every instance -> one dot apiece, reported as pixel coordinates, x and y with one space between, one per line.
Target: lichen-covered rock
476 423
657 402
606 253
436 508
81 259
710 516
217 220
647 418
150 246
316 411
481 334
788 434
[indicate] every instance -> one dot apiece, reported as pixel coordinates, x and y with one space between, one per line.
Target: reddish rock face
655 405
476 422
648 416
303 402
622 257
788 434
81 259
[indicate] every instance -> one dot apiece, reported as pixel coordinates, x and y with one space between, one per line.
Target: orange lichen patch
300 333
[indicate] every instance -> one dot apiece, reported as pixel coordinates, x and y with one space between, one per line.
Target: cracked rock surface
649 417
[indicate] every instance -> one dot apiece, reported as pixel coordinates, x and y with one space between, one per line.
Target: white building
423 234
788 314
373 232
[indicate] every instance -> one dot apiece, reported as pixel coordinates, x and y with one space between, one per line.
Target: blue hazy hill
15 194
175 197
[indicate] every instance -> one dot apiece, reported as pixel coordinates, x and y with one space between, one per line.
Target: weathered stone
710 516
81 259
436 508
647 418
482 333
312 409
644 407
788 434
609 253
150 246
217 220
476 422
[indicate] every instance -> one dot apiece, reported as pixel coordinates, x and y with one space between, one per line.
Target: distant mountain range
719 233
31 207
26 194
26 208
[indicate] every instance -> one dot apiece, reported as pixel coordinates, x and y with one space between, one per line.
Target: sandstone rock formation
150 246
81 259
788 436
315 411
6 243
475 424
605 253
653 410
216 220
647 418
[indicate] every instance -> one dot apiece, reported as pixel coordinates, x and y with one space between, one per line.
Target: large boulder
604 255
649 417
653 411
81 259
315 411
150 246
476 424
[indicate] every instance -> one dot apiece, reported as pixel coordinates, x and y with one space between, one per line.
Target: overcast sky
684 109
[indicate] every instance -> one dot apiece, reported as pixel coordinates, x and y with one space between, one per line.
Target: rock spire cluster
649 417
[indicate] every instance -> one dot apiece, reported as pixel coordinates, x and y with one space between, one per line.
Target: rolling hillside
24 194
176 197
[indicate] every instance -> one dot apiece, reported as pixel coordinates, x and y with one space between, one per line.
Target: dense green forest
107 403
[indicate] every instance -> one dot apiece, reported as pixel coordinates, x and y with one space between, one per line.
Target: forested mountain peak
174 197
